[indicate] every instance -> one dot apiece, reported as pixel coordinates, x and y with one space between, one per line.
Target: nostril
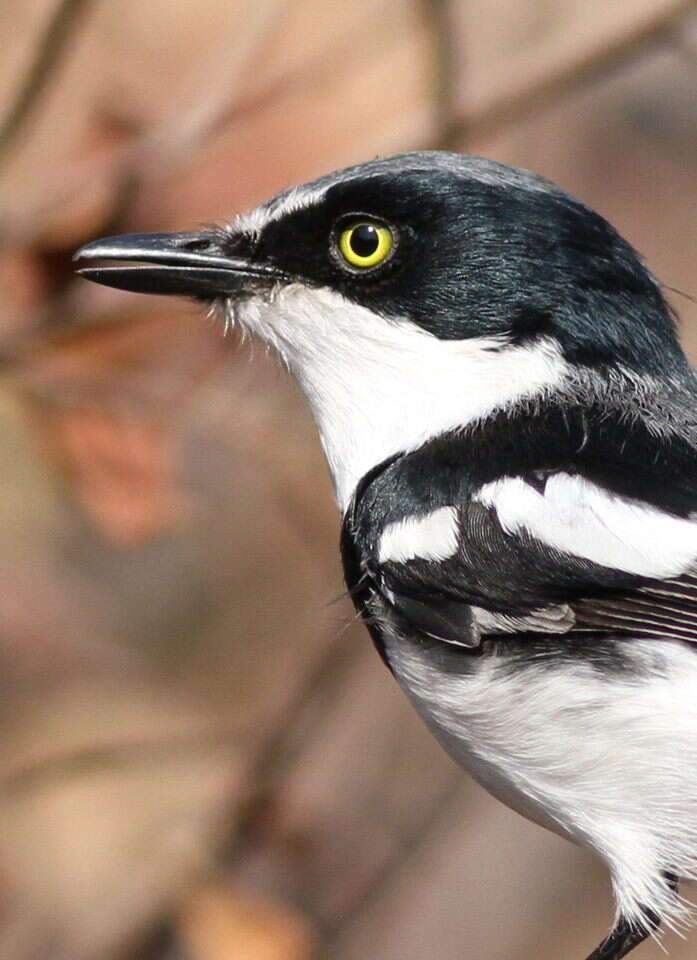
197 244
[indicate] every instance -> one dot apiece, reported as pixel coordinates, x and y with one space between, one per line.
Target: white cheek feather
608 760
432 537
378 387
576 516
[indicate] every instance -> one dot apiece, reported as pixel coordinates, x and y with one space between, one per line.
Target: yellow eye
365 244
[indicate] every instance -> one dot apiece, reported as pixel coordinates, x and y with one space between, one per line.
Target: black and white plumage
545 536
511 427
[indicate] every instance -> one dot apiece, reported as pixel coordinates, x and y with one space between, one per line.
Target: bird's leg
626 936
622 939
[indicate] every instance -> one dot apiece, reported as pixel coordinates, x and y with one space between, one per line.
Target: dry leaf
123 471
107 402
229 923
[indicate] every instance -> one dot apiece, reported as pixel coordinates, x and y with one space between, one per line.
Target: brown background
201 756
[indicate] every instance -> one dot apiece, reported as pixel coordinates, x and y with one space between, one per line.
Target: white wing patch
432 537
578 517
556 618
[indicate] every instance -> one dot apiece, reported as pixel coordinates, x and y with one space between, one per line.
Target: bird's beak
190 264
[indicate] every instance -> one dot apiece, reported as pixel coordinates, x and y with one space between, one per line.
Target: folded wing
554 553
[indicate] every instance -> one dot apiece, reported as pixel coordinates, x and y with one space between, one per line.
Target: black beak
191 264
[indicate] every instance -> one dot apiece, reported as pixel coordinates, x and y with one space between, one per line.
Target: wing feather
550 519
646 611
515 570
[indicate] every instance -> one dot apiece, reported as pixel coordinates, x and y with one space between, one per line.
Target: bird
510 424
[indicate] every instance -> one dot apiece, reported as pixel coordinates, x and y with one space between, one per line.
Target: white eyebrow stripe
299 198
432 537
579 517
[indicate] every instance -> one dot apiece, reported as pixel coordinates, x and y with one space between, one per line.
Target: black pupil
364 240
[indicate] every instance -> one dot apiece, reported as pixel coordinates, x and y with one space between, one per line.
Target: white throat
379 387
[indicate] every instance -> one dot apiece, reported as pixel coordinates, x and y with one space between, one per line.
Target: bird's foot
625 936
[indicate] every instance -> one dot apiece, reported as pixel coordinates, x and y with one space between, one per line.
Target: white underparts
378 387
431 537
609 760
576 516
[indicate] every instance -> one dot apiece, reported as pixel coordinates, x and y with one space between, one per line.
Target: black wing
620 558
500 582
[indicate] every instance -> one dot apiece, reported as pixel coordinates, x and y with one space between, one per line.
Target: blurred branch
189 126
81 760
684 42
419 834
271 759
513 104
446 72
121 171
64 19
143 158
275 755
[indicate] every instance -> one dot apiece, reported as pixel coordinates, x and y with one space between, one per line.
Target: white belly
607 759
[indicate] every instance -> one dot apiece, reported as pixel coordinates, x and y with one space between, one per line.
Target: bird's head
414 294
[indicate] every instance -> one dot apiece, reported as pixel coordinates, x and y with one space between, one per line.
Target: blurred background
201 755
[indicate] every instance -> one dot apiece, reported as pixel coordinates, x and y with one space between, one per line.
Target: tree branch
513 105
65 17
445 56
